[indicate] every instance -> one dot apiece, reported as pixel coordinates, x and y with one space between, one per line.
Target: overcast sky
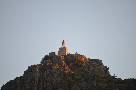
104 29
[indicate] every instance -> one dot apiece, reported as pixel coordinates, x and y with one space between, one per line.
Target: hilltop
72 72
67 71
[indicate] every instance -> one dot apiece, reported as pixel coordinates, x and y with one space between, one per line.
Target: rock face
69 72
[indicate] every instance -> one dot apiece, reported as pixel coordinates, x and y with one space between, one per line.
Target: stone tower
63 50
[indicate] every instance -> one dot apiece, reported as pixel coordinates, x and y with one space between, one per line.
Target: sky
102 29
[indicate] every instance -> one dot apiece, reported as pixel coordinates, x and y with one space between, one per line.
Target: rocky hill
69 72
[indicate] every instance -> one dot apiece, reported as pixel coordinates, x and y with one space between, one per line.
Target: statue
63 43
63 50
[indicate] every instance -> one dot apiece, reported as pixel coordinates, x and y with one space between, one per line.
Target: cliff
69 72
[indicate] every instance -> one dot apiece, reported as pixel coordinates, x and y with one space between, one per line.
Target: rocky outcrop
69 72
